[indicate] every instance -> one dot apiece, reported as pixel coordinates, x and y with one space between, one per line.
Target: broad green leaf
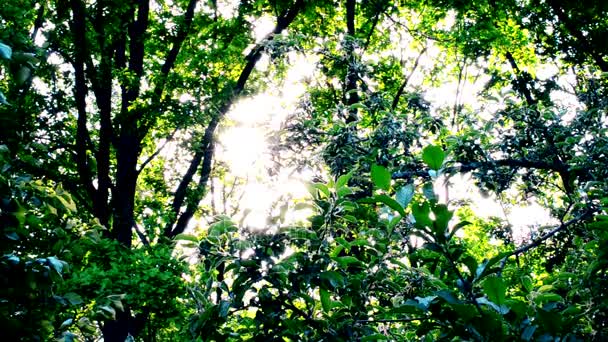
108 312
456 228
447 296
425 302
494 287
391 203
471 264
321 187
421 212
486 266
358 106
56 264
542 298
224 308
66 323
381 177
405 194
334 278
501 309
433 156
429 191
343 191
186 237
465 311
442 218
22 75
344 261
551 321
5 51
3 99
73 298
528 332
343 180
325 299
526 282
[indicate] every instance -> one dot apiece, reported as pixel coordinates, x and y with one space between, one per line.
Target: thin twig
150 158
586 214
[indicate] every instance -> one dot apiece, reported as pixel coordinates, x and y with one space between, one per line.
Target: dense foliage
107 235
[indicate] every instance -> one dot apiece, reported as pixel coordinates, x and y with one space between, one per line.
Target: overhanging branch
467 167
583 216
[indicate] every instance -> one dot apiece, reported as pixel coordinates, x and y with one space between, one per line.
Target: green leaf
447 296
494 287
22 75
526 282
405 194
425 302
381 177
334 278
528 332
344 261
224 307
186 237
56 264
465 311
343 191
66 323
73 298
433 156
343 180
442 218
321 187
108 312
3 99
471 263
486 266
501 309
456 228
325 299
5 51
429 191
391 203
421 212
358 106
542 298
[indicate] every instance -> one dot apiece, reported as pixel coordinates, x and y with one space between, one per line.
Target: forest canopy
122 221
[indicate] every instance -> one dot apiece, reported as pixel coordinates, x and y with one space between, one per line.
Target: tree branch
406 81
467 167
78 28
585 215
157 152
205 153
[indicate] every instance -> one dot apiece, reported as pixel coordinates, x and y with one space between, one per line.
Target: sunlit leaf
494 287
186 237
343 180
381 177
405 194
433 156
5 51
